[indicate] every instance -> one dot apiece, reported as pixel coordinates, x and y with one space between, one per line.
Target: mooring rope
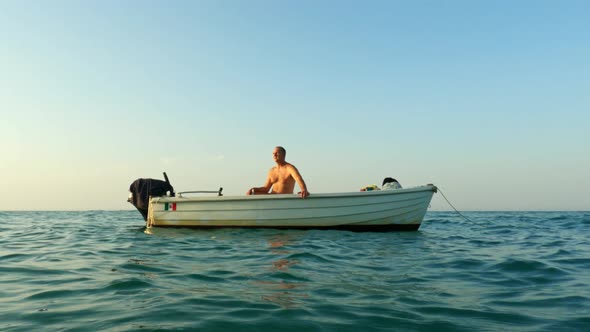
459 213
150 218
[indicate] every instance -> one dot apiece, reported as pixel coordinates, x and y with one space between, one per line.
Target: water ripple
101 270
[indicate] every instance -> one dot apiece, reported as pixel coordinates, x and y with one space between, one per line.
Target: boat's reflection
283 264
277 244
275 281
286 293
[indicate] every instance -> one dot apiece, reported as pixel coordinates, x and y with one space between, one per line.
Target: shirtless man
281 178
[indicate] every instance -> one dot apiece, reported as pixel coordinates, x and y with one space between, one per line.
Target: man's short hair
282 150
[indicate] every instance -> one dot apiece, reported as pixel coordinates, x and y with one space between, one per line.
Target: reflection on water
284 293
278 243
283 264
99 271
273 281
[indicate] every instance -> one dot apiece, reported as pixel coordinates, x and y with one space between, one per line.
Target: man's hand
303 193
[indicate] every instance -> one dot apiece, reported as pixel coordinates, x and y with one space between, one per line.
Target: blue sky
486 99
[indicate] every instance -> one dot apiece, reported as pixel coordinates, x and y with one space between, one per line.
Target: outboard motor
142 189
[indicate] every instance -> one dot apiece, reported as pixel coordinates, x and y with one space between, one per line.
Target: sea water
103 271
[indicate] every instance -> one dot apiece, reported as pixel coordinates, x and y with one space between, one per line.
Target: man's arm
262 190
299 179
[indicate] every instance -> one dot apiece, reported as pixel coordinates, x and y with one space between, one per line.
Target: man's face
277 155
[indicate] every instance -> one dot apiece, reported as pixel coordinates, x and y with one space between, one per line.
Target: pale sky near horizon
489 100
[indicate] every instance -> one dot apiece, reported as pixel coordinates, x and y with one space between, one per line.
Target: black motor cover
142 189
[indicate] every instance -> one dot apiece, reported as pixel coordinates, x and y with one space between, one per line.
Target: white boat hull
401 209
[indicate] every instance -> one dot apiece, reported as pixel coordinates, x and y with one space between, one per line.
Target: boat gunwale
424 188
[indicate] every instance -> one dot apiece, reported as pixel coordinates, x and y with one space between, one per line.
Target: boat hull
385 210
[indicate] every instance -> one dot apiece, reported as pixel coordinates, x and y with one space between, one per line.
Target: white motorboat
379 210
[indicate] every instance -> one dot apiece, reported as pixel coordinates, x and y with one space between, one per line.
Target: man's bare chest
281 176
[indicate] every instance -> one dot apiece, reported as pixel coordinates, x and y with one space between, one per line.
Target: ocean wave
99 270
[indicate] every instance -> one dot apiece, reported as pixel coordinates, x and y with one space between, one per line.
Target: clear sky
489 100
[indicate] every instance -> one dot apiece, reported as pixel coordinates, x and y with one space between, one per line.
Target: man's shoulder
287 166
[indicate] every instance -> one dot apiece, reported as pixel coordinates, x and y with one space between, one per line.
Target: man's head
279 153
